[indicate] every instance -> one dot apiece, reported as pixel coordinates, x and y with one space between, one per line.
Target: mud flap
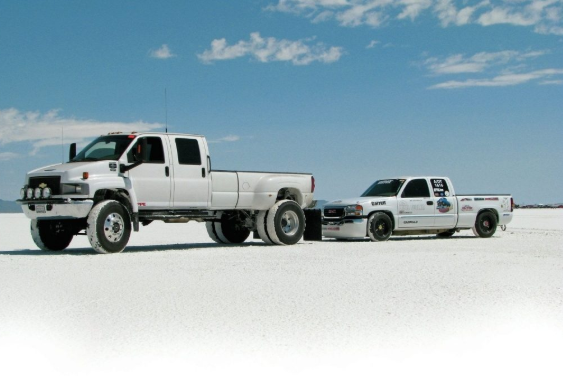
313 226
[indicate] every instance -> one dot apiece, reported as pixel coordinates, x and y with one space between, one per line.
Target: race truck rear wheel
109 227
285 223
485 225
51 235
380 227
262 227
230 228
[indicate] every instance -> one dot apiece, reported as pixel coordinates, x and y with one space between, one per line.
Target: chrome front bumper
56 209
346 228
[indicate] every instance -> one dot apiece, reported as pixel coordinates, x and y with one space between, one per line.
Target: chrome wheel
114 227
289 223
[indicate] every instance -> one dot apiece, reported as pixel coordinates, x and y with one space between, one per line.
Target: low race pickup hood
359 200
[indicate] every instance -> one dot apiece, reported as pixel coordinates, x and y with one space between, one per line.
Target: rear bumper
346 228
56 209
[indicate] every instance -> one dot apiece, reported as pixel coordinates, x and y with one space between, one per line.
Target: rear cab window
440 187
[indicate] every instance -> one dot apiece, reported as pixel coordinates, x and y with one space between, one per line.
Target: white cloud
271 49
42 130
501 80
543 15
226 139
5 156
478 62
372 44
162 53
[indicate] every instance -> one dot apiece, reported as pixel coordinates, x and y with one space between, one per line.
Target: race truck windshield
109 147
386 187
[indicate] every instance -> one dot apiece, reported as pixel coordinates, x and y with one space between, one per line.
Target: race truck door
445 213
191 177
151 179
415 205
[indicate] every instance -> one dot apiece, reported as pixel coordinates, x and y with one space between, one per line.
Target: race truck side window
155 151
417 188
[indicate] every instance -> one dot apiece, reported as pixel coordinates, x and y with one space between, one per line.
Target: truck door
151 180
191 180
445 214
416 206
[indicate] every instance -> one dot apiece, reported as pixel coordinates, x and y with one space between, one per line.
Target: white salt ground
175 302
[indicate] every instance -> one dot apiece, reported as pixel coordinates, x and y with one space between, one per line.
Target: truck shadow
131 249
405 238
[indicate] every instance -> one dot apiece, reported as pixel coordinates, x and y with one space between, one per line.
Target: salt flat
174 301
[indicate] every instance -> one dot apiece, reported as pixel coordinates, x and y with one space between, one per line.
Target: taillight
312 184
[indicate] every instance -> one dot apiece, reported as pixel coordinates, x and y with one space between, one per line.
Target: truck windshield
385 187
109 147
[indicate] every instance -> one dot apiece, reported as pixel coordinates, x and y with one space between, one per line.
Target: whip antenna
165 110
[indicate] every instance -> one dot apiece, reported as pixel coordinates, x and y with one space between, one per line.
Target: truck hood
74 170
361 200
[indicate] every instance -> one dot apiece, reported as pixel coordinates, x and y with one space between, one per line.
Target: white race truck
119 181
413 206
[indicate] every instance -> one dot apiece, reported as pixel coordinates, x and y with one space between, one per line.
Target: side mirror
72 151
141 151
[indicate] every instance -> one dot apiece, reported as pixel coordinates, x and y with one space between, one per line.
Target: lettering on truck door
445 214
151 179
415 205
191 180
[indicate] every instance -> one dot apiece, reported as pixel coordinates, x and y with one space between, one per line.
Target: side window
440 187
417 188
155 151
188 152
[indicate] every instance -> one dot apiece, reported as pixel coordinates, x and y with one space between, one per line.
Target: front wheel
285 223
485 225
380 227
109 227
51 235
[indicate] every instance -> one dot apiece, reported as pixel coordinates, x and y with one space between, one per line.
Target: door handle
167 171
430 202
203 172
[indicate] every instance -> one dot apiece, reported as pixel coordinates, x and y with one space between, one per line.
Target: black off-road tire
380 227
285 223
230 228
485 224
51 235
109 227
446 234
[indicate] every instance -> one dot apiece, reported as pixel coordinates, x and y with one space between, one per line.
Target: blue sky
350 90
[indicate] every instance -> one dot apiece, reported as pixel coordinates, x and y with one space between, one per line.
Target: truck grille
54 183
334 212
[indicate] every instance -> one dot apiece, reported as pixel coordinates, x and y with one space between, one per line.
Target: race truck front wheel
51 235
485 225
380 227
109 227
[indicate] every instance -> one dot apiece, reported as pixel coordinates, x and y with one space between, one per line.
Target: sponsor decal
384 182
466 208
142 204
506 214
113 166
444 205
491 198
478 198
447 193
337 201
410 222
466 200
333 228
379 203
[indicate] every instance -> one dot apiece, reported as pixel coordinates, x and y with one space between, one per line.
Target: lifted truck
412 206
121 180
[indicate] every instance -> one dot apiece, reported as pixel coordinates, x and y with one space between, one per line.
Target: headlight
37 194
72 188
30 193
355 210
22 193
46 192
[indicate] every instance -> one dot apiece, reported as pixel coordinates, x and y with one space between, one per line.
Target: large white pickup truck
119 181
412 206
